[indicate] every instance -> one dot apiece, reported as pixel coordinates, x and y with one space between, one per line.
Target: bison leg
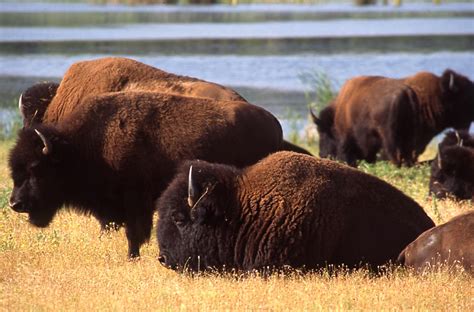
348 151
138 224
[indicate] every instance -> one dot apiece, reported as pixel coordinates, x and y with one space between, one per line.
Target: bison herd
119 140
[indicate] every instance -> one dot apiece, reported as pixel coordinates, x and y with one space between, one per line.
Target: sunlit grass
71 265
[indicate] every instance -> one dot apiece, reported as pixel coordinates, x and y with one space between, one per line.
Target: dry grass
72 266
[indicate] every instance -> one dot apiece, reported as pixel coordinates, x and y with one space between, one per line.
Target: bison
114 154
452 171
35 100
399 116
448 244
113 74
286 210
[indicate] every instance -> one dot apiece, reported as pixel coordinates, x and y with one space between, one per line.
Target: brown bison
399 116
447 244
113 156
286 210
113 74
452 171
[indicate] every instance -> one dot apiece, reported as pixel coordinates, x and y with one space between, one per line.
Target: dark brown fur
114 155
399 116
286 210
447 244
35 100
452 171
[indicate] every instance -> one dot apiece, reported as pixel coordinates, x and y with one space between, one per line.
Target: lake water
261 50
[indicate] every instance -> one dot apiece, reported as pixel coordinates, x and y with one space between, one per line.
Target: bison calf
115 153
447 244
288 209
452 171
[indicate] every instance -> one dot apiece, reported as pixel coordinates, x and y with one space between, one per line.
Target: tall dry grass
71 265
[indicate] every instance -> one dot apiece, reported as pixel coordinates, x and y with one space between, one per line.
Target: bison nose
17 206
162 259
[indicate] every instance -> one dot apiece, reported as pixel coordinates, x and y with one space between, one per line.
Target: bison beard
286 210
115 154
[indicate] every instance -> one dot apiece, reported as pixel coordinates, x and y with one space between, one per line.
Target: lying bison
399 116
447 244
452 171
114 155
286 210
113 74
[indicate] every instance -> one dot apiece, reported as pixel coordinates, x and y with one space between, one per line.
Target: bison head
452 172
327 139
458 98
34 166
35 100
195 219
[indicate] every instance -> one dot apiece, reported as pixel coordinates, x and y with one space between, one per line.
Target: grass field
71 265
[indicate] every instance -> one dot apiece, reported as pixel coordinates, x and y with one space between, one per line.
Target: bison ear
449 81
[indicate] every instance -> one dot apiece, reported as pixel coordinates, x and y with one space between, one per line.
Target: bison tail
401 258
287 146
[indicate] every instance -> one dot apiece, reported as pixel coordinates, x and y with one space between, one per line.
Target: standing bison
399 116
114 154
452 171
286 210
447 244
113 74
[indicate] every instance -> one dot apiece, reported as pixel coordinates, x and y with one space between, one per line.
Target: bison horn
458 137
451 82
315 118
21 107
191 188
47 145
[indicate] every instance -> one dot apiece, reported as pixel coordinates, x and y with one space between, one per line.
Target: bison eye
179 218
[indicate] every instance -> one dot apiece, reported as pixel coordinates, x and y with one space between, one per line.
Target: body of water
261 50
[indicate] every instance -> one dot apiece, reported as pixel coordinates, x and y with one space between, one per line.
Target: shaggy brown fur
114 155
286 210
113 74
450 243
399 116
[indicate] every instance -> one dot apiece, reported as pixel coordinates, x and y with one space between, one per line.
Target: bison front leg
138 226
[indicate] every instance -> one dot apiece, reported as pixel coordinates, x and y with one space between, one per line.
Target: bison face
193 225
458 97
327 139
37 188
452 173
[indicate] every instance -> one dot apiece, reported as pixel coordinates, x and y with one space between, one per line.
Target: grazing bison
113 156
324 124
399 116
35 100
452 171
447 244
286 210
113 74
